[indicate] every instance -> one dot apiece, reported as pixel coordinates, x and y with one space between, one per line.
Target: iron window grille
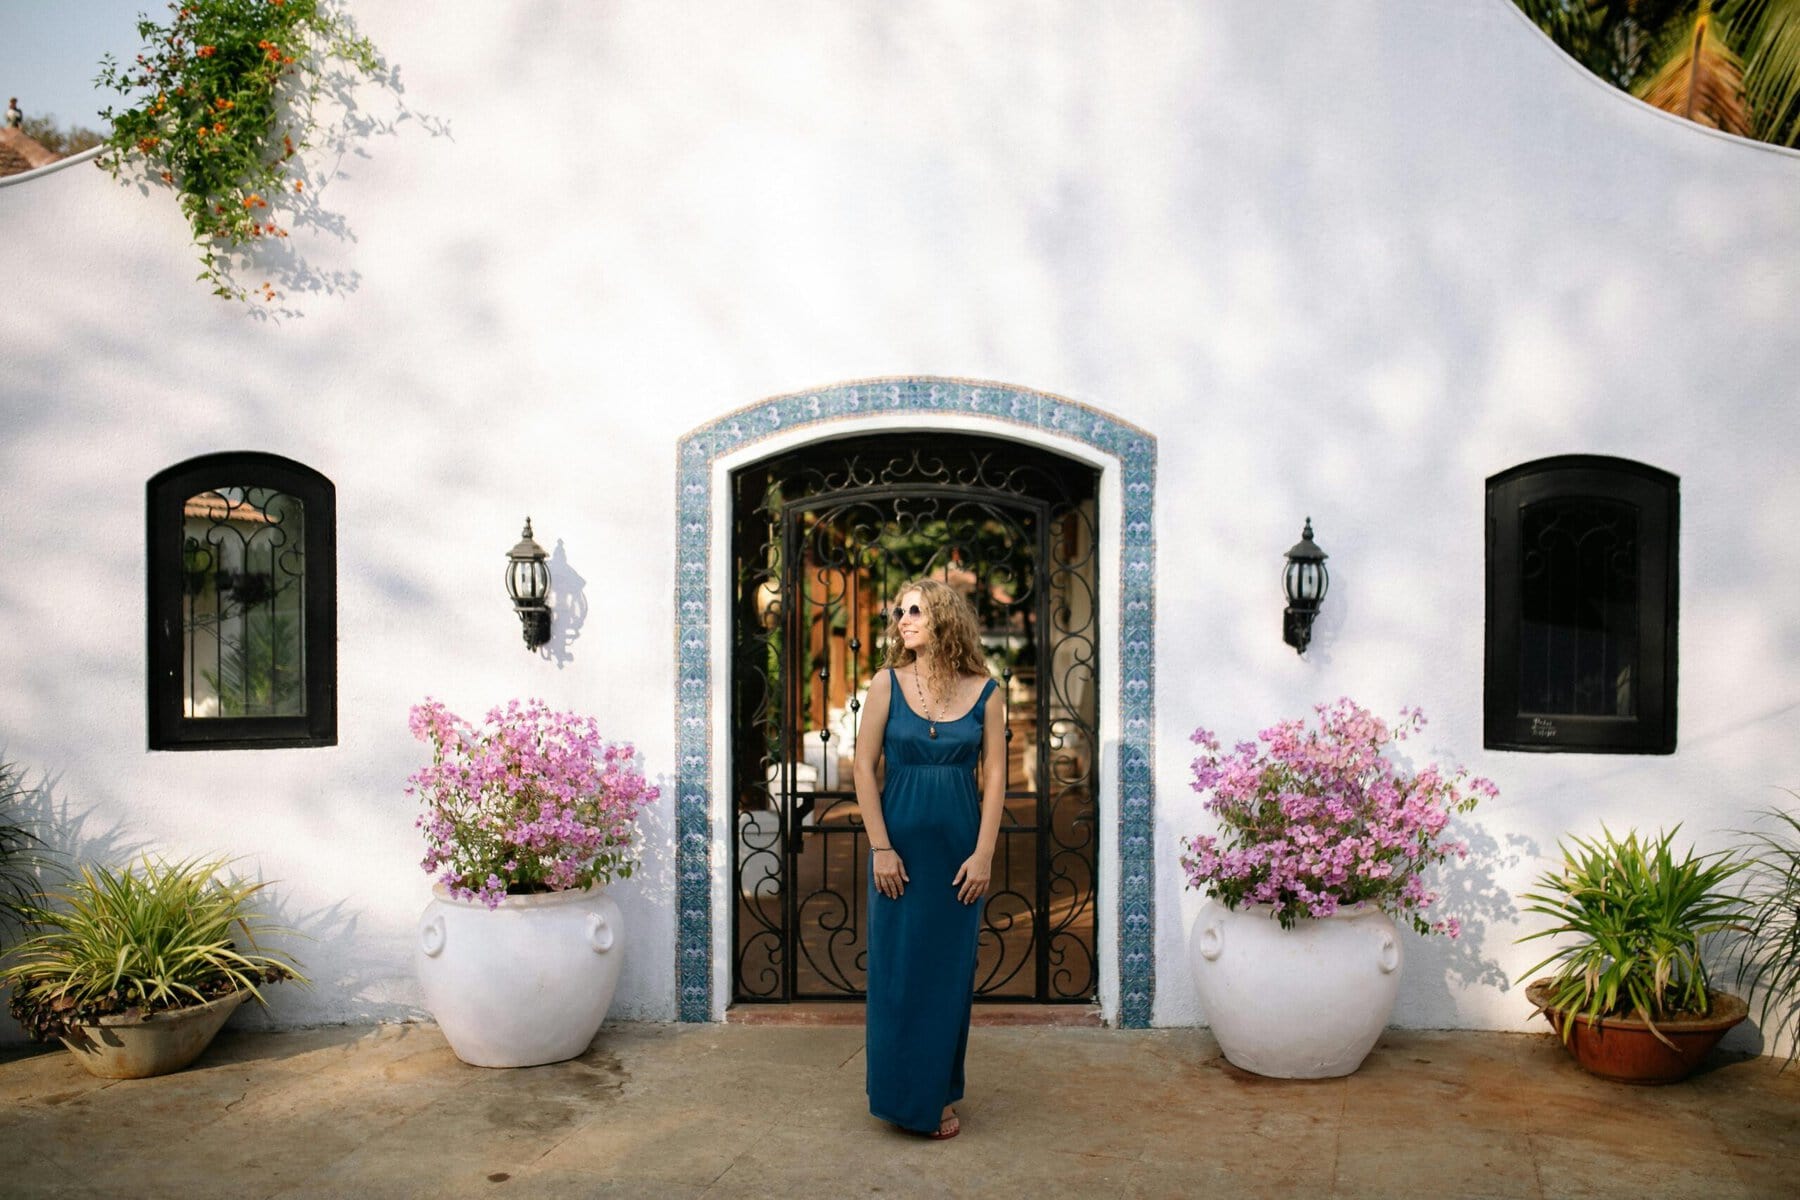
1582 589
242 607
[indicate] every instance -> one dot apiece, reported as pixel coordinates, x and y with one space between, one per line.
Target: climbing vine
220 103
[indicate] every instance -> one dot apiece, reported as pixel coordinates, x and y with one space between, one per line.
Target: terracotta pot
133 1047
523 984
1303 1003
1624 1049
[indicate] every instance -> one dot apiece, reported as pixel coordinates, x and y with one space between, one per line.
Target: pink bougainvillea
1314 820
531 801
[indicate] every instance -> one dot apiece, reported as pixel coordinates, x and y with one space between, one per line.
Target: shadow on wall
72 837
1473 897
654 880
568 608
68 838
648 905
362 981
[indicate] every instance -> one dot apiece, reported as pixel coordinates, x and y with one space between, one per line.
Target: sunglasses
910 611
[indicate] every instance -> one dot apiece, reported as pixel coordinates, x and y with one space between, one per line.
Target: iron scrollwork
822 538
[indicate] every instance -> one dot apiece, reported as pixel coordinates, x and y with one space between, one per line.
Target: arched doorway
822 537
705 809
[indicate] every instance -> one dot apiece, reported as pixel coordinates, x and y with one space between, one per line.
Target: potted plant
1768 954
526 818
1630 994
1323 841
136 969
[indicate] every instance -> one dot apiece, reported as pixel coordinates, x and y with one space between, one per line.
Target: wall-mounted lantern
528 583
1305 581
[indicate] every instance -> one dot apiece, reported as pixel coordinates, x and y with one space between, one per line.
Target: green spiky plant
155 936
21 856
1769 953
1638 915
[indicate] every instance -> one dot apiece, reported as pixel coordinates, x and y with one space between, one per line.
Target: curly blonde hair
950 620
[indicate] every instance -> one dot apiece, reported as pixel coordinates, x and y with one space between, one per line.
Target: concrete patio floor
765 1110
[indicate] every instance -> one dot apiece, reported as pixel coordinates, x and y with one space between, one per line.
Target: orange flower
255 201
147 144
299 185
206 51
223 105
218 127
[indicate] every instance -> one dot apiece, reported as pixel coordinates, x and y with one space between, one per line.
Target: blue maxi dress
922 945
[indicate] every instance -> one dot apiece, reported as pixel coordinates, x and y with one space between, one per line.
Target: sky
50 51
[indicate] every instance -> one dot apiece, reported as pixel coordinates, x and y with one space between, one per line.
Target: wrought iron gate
821 540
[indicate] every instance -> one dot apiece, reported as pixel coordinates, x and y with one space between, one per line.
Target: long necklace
924 707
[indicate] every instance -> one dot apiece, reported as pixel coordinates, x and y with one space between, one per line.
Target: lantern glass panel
527 580
1304 582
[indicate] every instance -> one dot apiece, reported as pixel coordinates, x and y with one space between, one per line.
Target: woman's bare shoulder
972 685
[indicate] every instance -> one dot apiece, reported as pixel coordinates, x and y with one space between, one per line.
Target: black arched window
242 604
1582 557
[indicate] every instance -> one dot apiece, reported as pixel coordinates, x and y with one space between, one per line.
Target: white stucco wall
1346 263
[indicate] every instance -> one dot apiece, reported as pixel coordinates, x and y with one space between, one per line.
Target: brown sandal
948 1127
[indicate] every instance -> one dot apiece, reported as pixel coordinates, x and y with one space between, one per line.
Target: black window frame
1656 496
166 496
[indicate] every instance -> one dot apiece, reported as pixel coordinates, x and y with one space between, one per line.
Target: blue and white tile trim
1135 452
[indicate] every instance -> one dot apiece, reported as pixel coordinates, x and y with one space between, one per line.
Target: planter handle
1212 940
1390 954
431 936
600 934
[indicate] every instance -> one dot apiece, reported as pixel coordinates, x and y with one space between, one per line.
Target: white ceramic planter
1301 1003
526 983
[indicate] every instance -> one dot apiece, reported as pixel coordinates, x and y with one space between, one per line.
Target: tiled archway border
1135 452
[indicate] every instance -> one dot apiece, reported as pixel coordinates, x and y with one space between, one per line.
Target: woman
931 842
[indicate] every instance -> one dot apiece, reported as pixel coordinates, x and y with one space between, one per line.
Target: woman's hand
973 876
890 874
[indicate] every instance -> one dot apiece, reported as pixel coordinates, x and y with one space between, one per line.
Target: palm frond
1768 955
22 856
1700 77
1768 34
